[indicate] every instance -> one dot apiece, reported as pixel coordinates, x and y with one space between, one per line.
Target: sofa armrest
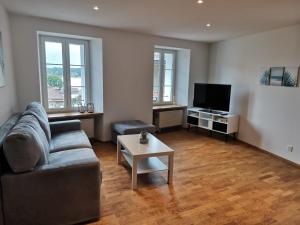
65 191
64 126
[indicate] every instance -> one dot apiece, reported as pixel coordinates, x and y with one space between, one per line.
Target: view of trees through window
56 85
65 68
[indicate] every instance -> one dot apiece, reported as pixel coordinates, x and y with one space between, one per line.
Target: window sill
72 115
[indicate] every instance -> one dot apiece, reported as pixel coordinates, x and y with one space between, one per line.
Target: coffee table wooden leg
170 169
119 152
134 174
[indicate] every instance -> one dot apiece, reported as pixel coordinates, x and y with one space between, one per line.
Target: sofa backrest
37 110
4 130
26 145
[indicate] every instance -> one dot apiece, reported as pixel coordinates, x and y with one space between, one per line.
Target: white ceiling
183 19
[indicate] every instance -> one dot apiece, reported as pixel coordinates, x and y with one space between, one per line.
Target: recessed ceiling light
96 8
200 1
208 25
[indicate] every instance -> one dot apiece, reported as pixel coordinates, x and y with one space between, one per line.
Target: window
64 73
164 77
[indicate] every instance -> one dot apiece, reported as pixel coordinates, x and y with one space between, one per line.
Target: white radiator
170 118
88 126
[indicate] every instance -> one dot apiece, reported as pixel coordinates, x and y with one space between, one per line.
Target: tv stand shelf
217 121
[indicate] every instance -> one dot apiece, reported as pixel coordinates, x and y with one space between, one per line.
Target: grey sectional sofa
50 174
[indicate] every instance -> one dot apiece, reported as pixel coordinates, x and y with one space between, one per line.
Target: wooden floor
214 183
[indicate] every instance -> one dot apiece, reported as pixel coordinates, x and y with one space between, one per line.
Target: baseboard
271 154
93 140
169 129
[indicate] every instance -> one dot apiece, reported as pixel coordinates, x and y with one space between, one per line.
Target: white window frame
66 71
162 76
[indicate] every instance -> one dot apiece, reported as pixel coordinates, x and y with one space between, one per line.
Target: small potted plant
143 137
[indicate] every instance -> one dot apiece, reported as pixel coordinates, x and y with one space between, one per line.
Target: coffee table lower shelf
146 165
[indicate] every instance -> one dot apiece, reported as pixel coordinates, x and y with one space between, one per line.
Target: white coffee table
143 158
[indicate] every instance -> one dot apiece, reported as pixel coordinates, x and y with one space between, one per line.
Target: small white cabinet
217 121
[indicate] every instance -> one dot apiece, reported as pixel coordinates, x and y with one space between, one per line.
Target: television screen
212 96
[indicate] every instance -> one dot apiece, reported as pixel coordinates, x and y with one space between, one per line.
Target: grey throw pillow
36 109
26 145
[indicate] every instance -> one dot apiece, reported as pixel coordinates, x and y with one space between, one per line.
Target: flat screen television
212 96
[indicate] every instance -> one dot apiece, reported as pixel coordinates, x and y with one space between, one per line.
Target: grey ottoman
130 127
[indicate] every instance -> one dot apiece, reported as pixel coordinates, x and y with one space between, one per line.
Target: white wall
96 63
127 65
197 74
183 59
8 100
269 115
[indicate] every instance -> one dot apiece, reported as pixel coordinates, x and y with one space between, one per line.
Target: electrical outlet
290 148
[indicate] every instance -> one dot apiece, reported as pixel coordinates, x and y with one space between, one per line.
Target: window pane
169 58
77 76
156 73
168 78
53 52
156 80
167 94
156 94
78 96
55 86
156 56
76 54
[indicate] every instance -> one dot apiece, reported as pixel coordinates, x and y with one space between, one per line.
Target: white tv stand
216 121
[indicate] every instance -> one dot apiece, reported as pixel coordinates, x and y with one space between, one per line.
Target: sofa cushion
26 145
69 140
70 157
37 110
